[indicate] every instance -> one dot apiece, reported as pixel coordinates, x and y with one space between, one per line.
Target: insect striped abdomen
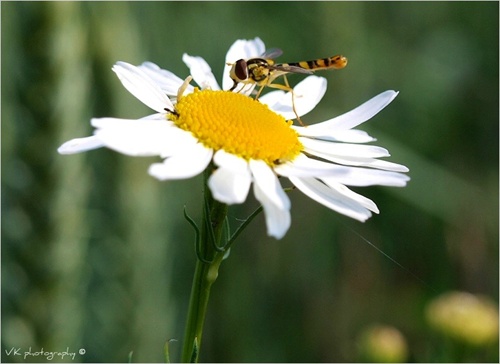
335 62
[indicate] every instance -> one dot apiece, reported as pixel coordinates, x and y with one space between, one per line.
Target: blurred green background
96 253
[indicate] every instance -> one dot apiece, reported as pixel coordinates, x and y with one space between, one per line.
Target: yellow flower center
238 124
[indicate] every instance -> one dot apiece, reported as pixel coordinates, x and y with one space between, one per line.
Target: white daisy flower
250 142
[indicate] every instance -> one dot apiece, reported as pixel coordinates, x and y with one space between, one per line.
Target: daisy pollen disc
237 124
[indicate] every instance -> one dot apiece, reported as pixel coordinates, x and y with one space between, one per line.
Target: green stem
206 272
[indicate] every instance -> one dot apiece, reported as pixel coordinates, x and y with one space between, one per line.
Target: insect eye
240 69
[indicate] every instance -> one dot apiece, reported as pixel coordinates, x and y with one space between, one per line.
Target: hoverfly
263 70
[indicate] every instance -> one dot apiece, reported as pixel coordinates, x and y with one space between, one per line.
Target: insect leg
293 100
259 92
285 87
234 86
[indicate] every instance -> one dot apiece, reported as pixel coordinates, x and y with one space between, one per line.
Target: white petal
354 176
145 137
142 87
274 200
359 161
356 116
241 49
307 94
342 149
388 166
265 178
351 195
331 198
201 72
183 165
100 123
278 220
80 145
230 183
302 166
364 162
245 48
157 116
166 80
346 136
272 98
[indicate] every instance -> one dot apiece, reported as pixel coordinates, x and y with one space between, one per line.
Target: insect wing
272 53
291 69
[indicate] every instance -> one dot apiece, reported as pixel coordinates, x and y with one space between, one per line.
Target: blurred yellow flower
469 318
383 344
